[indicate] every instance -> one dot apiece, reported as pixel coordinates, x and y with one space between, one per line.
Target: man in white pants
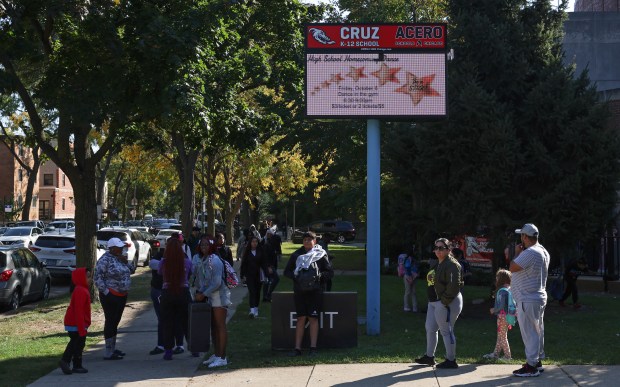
529 277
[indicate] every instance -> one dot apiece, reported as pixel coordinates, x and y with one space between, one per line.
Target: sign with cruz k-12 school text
376 70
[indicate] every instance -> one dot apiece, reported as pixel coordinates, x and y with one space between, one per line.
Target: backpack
511 314
229 276
309 279
401 265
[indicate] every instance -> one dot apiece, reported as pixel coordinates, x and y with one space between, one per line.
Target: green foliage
526 138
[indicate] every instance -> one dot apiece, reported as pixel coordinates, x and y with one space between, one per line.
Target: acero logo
320 36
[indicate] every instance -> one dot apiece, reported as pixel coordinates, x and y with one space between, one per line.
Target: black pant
270 285
174 311
113 307
75 347
571 287
254 286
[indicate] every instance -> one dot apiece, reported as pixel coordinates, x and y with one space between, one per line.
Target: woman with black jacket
252 262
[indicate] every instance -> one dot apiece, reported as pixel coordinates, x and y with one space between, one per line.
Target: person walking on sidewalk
77 321
445 303
504 302
213 289
175 268
529 277
252 263
113 280
308 302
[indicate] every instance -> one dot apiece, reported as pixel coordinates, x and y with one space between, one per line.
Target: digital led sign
371 70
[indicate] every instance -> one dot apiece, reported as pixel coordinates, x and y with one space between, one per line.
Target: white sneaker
210 360
491 355
218 362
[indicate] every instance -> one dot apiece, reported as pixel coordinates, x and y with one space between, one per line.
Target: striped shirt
529 284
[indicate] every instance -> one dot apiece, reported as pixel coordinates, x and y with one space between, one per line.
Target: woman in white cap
113 279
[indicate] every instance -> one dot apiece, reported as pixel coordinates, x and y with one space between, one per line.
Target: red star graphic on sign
336 78
356 73
418 88
386 74
325 84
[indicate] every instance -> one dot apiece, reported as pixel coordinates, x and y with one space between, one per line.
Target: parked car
339 230
57 251
163 235
3 230
21 235
60 226
138 250
22 276
155 244
30 223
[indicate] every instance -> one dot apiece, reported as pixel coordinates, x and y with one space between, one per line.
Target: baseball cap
115 242
528 229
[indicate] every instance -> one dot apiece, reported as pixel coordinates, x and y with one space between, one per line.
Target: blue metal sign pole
373 229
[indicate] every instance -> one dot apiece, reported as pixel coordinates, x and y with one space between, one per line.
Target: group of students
199 262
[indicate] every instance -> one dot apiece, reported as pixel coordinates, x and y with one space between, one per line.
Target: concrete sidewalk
137 336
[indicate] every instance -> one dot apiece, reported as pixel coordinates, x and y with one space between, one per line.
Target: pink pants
502 337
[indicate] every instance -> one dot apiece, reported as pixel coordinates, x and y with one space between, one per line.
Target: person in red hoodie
77 321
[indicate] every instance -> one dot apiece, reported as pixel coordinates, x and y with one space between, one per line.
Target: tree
526 138
239 176
102 68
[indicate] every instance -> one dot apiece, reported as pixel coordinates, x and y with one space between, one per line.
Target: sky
571 3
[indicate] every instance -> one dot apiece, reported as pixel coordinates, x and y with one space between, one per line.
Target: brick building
52 195
14 183
56 199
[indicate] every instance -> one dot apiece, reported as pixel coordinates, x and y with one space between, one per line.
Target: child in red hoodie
77 321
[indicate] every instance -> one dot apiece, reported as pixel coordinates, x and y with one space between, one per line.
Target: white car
138 250
21 235
163 235
60 226
58 253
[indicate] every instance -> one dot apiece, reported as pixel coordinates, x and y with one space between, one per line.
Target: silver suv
22 277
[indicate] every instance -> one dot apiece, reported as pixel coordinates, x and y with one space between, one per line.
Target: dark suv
339 230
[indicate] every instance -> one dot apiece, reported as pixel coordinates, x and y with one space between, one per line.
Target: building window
20 174
48 179
21 150
63 180
34 201
63 204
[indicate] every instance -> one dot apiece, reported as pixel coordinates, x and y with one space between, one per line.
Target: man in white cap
529 277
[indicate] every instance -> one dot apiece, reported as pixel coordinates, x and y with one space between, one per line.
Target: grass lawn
403 335
587 336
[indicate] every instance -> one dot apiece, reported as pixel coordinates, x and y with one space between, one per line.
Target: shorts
220 298
308 304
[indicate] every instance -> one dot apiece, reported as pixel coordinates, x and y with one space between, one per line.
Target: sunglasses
439 248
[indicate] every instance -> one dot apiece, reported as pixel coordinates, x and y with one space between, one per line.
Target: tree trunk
84 190
32 178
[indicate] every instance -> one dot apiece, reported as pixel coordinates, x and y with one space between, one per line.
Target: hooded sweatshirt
77 318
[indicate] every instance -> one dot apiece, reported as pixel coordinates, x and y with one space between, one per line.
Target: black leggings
174 312
113 307
75 347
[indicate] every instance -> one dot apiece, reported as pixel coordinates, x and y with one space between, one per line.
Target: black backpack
309 279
